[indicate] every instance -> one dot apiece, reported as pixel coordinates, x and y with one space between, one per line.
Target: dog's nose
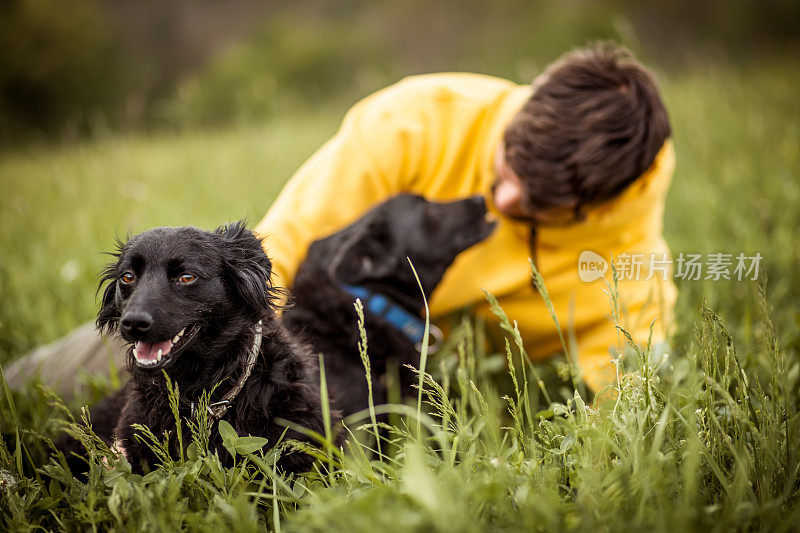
136 322
479 201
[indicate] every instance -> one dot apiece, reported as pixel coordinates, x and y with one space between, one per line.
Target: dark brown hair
592 127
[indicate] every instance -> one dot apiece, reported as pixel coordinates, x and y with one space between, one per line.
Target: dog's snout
479 201
474 204
136 322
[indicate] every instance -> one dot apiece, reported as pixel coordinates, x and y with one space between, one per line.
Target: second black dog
368 260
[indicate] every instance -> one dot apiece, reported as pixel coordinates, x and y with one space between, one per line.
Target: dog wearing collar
200 307
369 260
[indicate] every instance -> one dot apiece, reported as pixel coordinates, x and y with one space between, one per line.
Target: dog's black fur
149 299
372 253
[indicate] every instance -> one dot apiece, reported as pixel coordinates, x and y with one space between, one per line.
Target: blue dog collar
408 324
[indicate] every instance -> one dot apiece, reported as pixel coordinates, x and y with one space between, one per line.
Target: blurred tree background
91 65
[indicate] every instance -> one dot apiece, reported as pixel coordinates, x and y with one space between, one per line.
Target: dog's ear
109 313
247 267
365 254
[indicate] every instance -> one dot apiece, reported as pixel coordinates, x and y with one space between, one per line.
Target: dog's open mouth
156 355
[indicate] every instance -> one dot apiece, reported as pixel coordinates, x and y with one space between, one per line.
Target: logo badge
591 266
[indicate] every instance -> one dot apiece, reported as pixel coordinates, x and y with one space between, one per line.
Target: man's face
508 195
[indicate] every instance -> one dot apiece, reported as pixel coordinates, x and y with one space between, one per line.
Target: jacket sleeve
372 157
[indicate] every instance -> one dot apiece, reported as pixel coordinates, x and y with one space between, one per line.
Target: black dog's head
174 291
372 252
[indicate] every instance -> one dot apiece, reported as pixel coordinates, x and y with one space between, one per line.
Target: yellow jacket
435 135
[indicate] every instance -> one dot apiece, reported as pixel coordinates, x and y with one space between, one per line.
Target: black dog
368 260
200 306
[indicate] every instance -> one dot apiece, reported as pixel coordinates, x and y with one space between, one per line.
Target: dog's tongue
148 352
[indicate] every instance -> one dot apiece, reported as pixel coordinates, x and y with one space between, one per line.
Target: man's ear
247 267
364 254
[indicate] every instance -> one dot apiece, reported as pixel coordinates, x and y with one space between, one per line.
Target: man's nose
136 322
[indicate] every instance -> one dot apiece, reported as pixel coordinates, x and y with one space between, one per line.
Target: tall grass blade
423 352
362 352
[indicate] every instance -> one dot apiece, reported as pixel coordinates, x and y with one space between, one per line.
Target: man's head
594 124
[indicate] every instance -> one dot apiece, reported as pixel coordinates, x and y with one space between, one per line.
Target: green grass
707 441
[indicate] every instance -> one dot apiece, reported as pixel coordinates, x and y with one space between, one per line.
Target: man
579 161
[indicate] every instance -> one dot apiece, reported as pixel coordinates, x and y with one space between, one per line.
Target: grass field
710 442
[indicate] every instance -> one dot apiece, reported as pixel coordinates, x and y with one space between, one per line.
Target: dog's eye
187 278
127 278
